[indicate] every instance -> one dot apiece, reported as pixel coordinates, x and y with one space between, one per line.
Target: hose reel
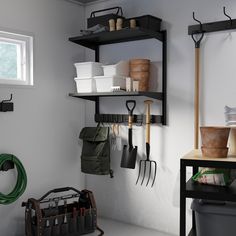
21 182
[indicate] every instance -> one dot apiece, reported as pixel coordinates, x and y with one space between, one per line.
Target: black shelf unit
94 41
191 189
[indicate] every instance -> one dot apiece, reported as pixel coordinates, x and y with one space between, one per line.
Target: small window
16 59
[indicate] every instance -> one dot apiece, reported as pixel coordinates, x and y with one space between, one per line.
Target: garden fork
143 164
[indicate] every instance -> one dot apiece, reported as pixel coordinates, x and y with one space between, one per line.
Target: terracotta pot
139 61
214 152
139 67
139 75
214 137
143 78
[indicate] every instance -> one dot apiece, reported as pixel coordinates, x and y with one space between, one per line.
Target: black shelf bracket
229 24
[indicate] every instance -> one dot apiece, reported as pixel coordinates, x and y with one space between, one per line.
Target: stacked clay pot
140 71
214 141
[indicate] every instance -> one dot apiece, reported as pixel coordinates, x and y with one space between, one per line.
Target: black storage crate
146 22
104 19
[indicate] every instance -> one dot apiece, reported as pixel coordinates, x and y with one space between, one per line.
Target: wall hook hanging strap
230 19
197 39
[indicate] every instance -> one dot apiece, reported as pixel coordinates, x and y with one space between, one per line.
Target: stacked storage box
114 75
85 73
94 77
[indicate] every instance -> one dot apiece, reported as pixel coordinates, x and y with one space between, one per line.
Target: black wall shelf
120 118
93 42
94 96
124 35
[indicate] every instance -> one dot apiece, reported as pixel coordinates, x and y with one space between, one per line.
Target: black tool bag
104 19
95 156
62 215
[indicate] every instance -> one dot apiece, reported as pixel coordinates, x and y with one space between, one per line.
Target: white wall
158 207
43 130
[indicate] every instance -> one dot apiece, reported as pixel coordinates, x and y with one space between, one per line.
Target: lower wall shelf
121 118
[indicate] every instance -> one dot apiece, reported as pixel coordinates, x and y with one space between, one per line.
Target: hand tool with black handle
129 154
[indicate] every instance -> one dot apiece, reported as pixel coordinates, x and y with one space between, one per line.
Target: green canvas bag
95 156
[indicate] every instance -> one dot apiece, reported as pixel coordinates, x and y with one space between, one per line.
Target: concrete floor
114 228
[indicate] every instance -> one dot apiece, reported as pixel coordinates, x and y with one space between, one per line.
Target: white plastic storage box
105 83
85 85
214 219
120 69
88 69
230 115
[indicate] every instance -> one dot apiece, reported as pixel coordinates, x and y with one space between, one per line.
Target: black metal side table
190 189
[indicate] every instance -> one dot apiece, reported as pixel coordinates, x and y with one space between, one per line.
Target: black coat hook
197 21
6 105
231 22
7 100
197 41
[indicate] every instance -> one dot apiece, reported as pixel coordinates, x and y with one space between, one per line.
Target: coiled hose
21 180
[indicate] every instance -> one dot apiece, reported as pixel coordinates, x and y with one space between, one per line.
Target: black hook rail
139 120
229 24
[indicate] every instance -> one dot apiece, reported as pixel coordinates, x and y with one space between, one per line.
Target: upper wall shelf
94 96
94 40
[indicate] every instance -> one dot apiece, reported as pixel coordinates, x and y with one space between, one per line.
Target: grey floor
114 228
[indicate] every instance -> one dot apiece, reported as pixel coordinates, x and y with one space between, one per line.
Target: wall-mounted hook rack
229 24
121 118
6 105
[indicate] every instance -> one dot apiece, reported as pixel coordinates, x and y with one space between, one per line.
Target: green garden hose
21 180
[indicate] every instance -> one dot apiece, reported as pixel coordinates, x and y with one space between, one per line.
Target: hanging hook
231 22
197 21
7 100
198 41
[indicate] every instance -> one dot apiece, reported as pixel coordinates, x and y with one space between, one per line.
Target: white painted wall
43 130
158 207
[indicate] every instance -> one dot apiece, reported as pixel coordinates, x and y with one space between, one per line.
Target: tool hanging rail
229 24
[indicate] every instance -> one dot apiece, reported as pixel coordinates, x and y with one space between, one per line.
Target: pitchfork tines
143 164
147 166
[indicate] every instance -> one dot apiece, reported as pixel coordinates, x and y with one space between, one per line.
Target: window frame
25 43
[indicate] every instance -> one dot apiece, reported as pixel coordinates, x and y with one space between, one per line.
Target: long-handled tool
197 42
129 154
143 164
